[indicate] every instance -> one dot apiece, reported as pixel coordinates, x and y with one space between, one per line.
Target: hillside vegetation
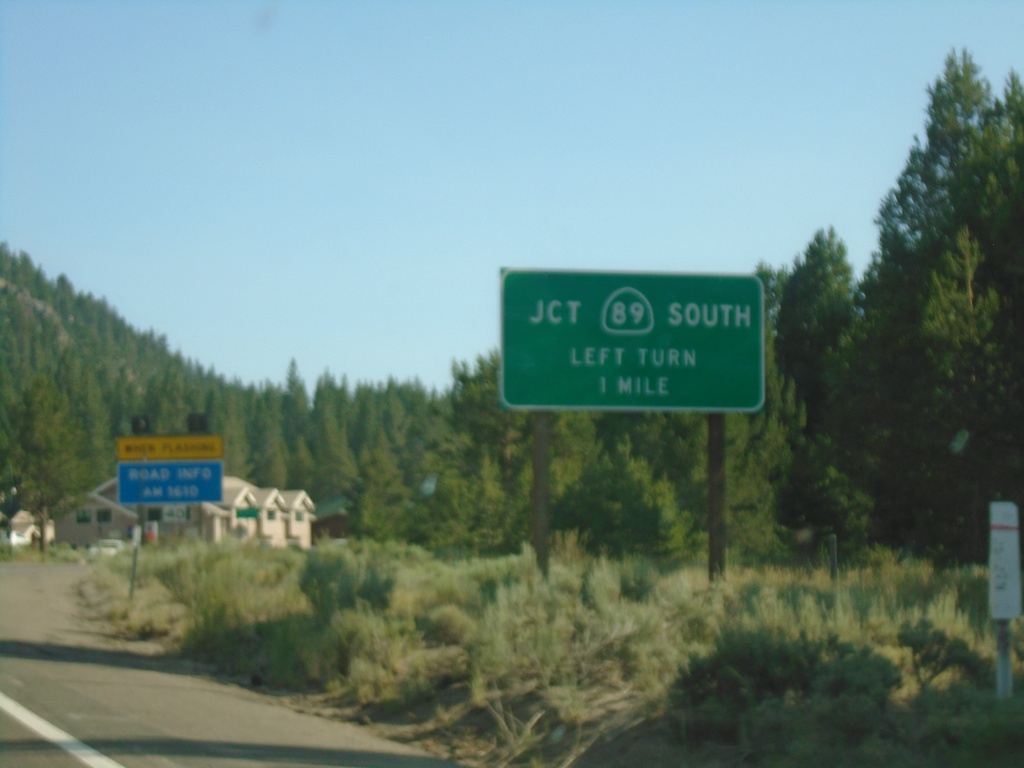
485 661
892 415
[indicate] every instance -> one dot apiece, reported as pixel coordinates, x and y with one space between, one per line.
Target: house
331 519
101 517
245 512
24 522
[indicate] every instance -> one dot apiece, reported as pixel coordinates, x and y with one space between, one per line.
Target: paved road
106 701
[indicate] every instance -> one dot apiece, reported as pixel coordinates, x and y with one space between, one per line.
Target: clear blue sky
340 182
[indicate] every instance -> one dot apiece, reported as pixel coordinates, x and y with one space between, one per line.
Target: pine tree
815 315
935 352
47 453
381 507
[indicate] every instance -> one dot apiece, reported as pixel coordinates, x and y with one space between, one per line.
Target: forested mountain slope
894 407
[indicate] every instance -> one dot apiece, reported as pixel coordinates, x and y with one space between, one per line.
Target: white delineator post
1004 585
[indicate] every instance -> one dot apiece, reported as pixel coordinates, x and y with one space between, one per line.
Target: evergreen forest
894 408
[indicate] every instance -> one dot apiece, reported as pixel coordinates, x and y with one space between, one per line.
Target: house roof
106 489
267 497
103 501
297 500
214 510
237 492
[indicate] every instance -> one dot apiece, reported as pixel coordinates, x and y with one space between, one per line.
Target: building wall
333 527
89 524
273 527
300 530
215 528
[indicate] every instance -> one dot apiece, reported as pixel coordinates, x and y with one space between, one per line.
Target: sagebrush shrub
340 578
748 667
319 579
719 695
449 625
857 672
933 652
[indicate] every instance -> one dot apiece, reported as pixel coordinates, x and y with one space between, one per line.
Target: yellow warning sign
169 447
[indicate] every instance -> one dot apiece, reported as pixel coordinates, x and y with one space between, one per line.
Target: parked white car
106 547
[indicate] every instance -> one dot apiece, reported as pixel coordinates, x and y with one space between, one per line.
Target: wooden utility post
716 496
541 486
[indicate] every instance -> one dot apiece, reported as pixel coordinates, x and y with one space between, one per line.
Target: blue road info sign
169 482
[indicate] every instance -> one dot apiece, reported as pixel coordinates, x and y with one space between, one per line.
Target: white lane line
56 736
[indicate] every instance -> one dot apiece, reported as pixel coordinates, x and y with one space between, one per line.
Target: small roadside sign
169 447
1004 587
176 514
1004 561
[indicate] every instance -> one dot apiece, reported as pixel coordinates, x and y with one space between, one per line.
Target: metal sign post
541 487
716 496
136 540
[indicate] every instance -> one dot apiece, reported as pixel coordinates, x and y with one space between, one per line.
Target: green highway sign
631 341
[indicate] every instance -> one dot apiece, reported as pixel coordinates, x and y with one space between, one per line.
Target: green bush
746 668
339 578
370 650
933 652
448 625
639 578
524 635
723 696
606 582
996 740
602 585
277 652
374 587
857 672
318 582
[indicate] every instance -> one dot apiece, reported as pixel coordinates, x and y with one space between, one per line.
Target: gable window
299 516
103 516
271 514
83 516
